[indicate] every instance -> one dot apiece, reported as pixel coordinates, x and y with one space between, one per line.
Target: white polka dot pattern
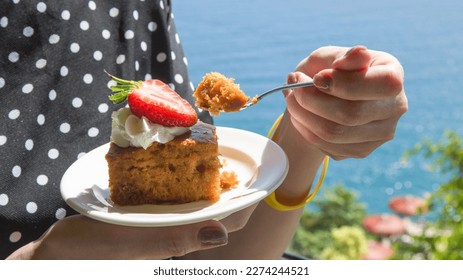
66 15
75 48
52 95
4 22
42 180
103 108
54 39
16 171
2 140
53 153
106 34
28 31
15 236
41 119
13 57
14 114
31 207
29 145
65 127
60 213
56 109
77 102
41 63
3 199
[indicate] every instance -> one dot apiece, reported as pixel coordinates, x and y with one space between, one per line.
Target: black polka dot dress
54 93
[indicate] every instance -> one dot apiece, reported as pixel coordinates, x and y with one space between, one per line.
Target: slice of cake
182 170
159 151
217 93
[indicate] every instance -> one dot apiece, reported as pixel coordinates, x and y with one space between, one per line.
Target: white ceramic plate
260 164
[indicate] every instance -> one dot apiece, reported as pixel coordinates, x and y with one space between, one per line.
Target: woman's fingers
335 150
342 111
78 237
327 121
373 83
354 74
357 58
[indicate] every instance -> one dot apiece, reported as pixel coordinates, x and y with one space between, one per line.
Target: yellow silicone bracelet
272 201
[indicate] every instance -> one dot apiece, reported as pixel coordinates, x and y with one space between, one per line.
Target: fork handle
285 87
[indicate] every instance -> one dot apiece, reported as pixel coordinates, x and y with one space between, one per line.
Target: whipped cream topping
130 130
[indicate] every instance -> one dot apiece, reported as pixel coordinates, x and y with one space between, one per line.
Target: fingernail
291 78
213 236
322 82
356 48
349 51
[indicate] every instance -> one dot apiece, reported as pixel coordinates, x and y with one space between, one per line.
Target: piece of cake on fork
217 93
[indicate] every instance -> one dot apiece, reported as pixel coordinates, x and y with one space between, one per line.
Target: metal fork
257 98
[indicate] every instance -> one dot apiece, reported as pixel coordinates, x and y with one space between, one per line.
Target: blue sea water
259 42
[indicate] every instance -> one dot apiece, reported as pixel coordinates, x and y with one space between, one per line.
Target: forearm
268 232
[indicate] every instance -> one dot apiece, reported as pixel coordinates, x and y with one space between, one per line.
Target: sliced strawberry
154 100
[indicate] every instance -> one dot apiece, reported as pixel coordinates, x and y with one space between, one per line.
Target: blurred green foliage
441 237
318 235
349 243
331 229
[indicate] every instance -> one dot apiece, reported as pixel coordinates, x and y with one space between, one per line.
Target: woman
54 96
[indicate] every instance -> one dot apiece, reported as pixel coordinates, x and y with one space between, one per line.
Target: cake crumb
254 100
228 180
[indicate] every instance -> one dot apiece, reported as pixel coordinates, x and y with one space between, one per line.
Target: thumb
295 77
181 240
355 59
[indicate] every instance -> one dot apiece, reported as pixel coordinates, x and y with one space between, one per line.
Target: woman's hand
79 237
356 104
